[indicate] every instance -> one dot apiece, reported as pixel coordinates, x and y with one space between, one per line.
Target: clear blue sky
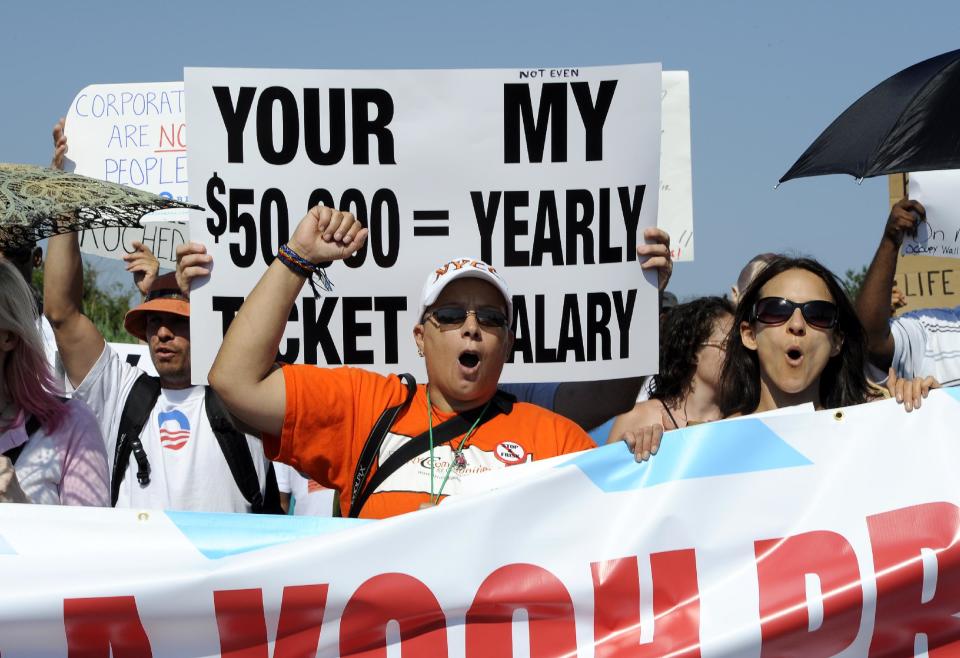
766 78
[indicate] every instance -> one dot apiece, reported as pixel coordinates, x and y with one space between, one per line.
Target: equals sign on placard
431 216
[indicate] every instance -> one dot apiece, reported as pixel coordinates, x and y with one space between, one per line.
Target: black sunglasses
454 316
777 310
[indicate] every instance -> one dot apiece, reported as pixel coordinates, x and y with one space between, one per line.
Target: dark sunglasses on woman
451 317
777 310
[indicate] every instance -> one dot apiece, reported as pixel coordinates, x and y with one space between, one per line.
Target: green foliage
852 282
104 305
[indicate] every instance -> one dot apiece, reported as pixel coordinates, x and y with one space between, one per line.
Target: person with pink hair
51 451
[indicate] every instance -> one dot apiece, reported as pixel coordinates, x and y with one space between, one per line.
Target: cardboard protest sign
928 274
675 214
548 175
133 134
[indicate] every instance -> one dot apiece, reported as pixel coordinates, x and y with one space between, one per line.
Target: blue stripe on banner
220 535
701 451
6 548
953 391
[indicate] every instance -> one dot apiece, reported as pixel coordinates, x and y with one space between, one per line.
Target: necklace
458 459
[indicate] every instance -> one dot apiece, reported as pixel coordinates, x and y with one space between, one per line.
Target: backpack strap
236 450
371 447
502 403
140 402
32 425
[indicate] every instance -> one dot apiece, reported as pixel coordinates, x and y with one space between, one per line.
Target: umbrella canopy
36 203
908 122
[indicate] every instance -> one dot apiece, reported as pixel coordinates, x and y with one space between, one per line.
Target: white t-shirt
187 468
927 343
307 497
50 349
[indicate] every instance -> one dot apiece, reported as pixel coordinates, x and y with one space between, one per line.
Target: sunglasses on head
777 310
454 316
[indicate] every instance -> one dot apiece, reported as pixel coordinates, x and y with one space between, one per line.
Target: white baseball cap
462 268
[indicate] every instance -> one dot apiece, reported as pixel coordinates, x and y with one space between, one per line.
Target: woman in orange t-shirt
318 419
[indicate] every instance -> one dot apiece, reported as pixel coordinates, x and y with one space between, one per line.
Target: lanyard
457 452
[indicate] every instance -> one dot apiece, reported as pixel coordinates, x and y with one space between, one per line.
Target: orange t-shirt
330 412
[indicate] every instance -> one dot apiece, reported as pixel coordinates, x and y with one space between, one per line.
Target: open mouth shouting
469 362
794 356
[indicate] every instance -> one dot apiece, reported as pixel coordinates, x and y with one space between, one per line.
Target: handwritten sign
136 135
548 175
939 192
926 281
675 214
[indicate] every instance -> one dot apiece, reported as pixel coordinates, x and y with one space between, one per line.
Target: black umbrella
908 122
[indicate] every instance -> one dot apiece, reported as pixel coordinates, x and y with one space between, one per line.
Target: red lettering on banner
393 596
897 538
95 626
551 622
782 565
676 606
243 627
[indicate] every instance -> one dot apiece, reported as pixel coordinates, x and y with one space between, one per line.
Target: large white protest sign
549 175
816 534
675 214
939 192
133 134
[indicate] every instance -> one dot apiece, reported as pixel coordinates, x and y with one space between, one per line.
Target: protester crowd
79 425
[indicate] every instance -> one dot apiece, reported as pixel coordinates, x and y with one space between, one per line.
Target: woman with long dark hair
686 390
796 339
51 450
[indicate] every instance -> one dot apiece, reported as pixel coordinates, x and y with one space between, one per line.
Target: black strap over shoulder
375 439
140 402
31 427
502 403
236 450
233 443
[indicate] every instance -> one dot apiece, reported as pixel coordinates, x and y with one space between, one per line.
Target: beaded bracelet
302 267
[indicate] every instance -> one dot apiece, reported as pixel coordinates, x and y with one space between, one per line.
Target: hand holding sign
325 234
192 261
904 218
59 144
909 392
657 255
143 265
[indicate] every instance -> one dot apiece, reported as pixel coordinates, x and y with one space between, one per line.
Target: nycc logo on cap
464 268
459 264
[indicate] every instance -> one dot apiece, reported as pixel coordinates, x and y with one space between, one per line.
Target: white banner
550 175
817 534
136 135
939 192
